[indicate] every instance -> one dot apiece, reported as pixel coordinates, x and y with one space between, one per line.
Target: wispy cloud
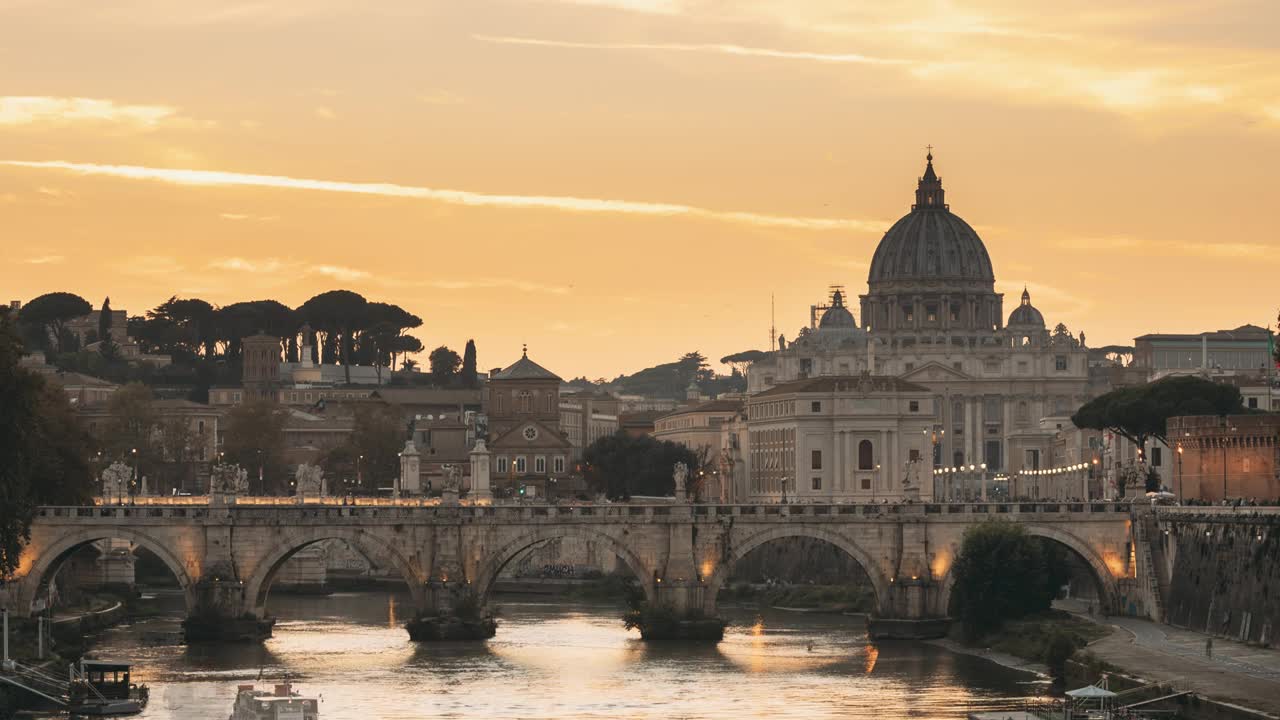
656 7
244 216
239 264
325 113
441 97
30 110
720 48
219 178
1142 246
494 283
44 260
338 272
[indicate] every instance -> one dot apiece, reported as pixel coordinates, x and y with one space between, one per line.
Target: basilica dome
1026 314
930 243
837 316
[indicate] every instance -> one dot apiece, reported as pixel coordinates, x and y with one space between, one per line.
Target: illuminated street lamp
1178 489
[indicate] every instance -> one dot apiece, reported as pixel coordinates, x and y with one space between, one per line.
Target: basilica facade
997 386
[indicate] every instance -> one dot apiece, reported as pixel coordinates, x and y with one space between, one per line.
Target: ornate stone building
931 316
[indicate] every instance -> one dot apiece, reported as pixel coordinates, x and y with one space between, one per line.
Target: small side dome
837 316
1026 315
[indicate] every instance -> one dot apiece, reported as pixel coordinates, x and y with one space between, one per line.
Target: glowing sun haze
617 182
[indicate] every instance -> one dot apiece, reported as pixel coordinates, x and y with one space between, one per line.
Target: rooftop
525 369
1246 333
711 406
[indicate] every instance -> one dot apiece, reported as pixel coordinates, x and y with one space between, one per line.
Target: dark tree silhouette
470 378
444 365
1141 412
48 315
620 465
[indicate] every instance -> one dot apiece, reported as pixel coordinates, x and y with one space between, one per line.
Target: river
559 659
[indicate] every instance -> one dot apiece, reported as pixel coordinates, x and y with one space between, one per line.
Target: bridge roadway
225 555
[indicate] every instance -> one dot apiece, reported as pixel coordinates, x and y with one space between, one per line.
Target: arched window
866 456
526 401
550 398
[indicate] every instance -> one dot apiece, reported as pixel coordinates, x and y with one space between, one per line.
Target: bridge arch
1108 590
741 547
491 566
375 549
50 559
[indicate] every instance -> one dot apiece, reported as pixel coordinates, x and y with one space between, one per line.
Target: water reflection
562 660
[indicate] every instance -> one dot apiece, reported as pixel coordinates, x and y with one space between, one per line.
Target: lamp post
359 471
134 482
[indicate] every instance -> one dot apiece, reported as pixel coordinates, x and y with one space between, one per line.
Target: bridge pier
221 614
909 612
451 610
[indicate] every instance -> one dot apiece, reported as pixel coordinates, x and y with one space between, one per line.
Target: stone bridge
225 557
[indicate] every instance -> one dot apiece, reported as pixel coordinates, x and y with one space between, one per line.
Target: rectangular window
910 367
815 406
992 456
1023 368
816 460
817 483
235 397
1253 403
931 313
866 483
1156 456
520 464
293 397
502 463
1060 362
540 465
958 366
955 313
914 406
557 464
913 455
908 315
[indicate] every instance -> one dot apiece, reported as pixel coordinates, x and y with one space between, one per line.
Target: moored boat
279 703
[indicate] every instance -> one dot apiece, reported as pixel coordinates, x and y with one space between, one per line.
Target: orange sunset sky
616 182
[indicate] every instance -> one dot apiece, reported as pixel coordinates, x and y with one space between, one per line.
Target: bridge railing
269 509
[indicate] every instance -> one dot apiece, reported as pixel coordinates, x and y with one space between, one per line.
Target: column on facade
917 305
891 463
837 467
849 455
880 457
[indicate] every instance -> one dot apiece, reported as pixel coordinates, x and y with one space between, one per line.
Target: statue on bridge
226 482
680 474
309 480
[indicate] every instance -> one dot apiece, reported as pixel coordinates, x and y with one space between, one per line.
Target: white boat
279 703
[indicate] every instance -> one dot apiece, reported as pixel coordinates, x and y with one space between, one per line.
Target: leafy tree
742 360
470 378
444 365
620 465
131 430
376 441
404 345
50 314
337 315
255 441
410 364
1003 573
179 444
184 328
1141 412
43 448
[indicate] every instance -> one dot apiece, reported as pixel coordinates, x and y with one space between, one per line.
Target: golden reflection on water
558 660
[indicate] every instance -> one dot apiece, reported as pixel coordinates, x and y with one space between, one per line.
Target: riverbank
1039 644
